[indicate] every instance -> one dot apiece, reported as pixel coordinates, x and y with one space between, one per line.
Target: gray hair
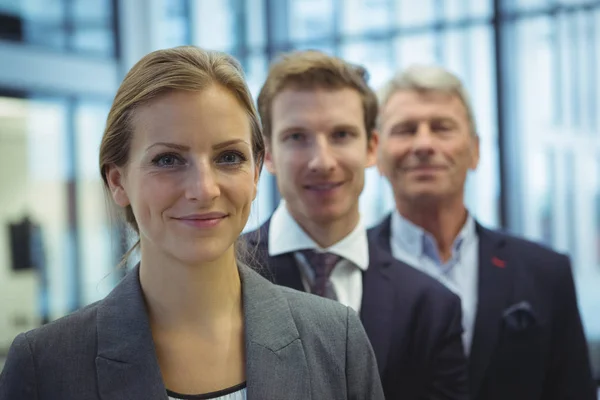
428 78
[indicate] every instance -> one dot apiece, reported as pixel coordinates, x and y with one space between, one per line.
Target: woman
181 155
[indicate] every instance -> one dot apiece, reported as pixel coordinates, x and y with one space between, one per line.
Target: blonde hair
182 68
428 78
313 69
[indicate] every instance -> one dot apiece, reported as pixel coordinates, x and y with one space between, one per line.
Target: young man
522 327
318 117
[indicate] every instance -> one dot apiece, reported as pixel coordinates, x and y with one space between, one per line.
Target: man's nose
322 158
423 140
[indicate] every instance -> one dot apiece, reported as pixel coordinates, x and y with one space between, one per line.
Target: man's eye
403 131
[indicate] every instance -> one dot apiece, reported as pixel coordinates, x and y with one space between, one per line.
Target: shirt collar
416 241
286 236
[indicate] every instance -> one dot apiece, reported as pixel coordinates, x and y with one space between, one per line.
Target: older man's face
426 146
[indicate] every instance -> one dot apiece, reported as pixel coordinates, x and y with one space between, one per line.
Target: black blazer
528 342
412 321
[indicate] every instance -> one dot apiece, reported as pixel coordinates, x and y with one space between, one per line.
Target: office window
376 199
52 189
92 27
415 49
455 10
34 175
175 23
524 5
326 46
574 2
310 19
35 21
374 55
98 227
364 16
412 13
256 35
263 205
469 53
256 72
76 26
256 68
218 29
553 145
480 8
536 99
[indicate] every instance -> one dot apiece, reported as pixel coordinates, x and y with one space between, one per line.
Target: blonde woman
181 156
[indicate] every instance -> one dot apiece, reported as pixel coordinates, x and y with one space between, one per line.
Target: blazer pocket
522 355
526 336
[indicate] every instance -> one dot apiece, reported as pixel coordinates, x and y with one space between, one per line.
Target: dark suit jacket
413 322
297 347
528 342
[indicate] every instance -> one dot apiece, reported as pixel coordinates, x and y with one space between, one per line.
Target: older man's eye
403 131
442 127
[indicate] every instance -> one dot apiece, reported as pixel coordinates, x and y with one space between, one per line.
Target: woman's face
191 177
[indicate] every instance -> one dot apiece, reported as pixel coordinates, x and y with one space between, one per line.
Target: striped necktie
322 265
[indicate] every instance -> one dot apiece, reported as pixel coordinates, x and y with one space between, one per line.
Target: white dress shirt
411 244
286 236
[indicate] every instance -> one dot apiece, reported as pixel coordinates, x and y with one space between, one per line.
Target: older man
523 332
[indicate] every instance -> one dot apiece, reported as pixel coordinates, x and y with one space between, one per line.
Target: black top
207 396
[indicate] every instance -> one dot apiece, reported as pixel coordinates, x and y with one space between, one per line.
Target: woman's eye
231 158
167 160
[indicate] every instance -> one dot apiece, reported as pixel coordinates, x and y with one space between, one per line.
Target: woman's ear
115 178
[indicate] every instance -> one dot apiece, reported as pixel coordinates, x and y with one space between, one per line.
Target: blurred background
532 67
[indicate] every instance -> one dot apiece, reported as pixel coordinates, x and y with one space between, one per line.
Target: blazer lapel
378 302
281 269
276 365
126 363
286 272
380 235
494 293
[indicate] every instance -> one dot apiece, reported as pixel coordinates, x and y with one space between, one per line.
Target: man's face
426 147
319 151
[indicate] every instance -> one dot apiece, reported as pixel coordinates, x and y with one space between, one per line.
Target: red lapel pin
498 262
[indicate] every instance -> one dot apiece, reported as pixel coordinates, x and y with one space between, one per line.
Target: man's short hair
428 78
313 69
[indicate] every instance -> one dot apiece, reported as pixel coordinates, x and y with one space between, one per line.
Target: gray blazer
298 346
